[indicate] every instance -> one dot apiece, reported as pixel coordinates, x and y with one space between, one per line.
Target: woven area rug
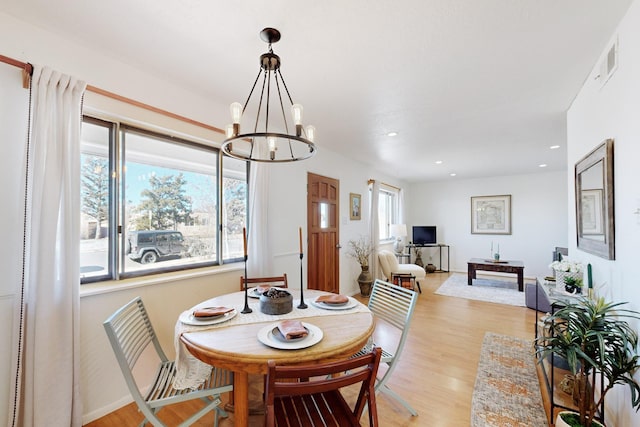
490 290
507 392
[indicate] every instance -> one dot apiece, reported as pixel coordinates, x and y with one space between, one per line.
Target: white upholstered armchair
390 267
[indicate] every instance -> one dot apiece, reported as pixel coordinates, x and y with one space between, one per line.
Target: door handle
338 246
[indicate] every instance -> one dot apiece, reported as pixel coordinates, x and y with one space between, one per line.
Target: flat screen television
424 235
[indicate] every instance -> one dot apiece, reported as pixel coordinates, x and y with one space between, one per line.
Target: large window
152 202
388 210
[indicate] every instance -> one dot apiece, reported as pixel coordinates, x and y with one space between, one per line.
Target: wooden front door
323 213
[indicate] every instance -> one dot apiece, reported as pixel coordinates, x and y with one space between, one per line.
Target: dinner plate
350 304
253 293
267 337
188 318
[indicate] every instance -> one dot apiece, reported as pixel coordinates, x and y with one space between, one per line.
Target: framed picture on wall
355 206
491 214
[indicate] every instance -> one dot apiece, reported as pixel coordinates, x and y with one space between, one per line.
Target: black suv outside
148 246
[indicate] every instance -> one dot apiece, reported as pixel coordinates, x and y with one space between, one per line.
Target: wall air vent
609 63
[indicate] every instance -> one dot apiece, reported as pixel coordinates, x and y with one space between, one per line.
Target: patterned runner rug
507 391
490 290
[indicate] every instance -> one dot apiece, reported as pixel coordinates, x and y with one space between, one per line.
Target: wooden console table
514 267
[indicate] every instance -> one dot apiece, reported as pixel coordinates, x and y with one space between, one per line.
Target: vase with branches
361 249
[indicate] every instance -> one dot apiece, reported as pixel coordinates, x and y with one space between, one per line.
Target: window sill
91 289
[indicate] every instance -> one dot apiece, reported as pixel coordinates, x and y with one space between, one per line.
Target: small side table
406 280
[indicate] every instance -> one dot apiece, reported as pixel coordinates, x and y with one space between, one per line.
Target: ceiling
482 86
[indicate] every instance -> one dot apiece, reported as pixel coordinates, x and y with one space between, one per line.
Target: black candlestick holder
302 304
246 308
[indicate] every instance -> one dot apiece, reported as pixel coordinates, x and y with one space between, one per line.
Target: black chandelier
264 144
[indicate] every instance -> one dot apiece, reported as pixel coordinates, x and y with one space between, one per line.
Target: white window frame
200 137
388 210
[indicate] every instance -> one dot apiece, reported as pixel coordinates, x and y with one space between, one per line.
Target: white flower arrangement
566 265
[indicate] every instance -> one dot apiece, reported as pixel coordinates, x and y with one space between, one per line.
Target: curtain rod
27 70
371 181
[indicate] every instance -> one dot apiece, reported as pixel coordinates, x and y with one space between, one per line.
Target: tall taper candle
589 278
246 308
300 229
302 303
244 240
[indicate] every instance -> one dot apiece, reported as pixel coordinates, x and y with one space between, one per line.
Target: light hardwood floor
436 373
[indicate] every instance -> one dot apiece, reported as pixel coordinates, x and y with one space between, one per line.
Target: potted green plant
573 285
566 268
361 250
593 337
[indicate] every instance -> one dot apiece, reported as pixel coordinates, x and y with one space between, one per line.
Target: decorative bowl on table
276 301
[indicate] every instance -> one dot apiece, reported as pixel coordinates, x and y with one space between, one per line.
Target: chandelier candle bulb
229 131
236 112
296 112
311 133
272 147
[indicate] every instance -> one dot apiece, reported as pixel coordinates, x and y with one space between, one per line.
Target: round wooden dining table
236 347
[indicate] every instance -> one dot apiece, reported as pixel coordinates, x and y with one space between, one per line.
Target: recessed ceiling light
452 174
543 165
392 133
438 162
554 147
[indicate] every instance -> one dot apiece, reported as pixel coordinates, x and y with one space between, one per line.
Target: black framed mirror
595 203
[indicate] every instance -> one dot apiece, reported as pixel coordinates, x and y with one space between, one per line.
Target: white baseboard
101 412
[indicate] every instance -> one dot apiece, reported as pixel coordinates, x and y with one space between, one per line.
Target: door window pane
324 215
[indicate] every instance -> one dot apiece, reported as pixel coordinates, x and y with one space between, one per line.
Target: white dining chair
130 332
394 305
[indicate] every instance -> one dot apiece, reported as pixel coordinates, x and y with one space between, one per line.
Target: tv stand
434 245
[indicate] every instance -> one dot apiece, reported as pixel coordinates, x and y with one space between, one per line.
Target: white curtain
374 228
401 217
257 233
50 371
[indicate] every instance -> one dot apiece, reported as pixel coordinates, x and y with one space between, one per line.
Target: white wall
541 203
165 296
289 189
538 218
613 111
